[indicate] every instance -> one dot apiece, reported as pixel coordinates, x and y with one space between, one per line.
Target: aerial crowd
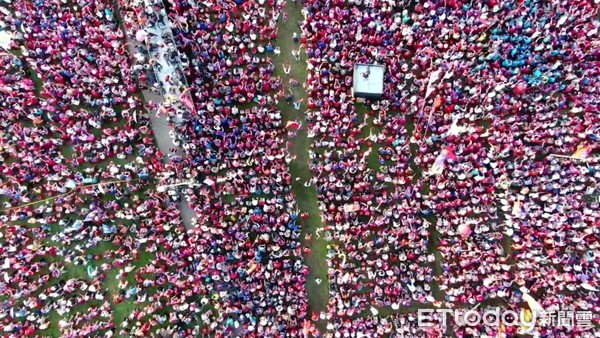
473 180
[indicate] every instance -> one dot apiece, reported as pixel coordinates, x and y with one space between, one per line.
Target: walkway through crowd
293 74
163 69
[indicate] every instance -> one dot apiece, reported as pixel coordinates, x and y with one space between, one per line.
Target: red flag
186 99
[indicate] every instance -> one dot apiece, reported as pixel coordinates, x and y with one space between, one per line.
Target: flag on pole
528 323
437 102
432 79
440 162
582 152
533 304
502 331
71 184
101 189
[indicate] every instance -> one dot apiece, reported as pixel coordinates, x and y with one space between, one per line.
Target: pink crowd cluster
472 182
81 223
485 134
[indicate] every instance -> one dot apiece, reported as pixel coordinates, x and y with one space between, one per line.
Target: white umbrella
141 35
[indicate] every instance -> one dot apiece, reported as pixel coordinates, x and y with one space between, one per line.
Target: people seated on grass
479 99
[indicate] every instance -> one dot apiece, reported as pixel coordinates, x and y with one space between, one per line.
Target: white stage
368 80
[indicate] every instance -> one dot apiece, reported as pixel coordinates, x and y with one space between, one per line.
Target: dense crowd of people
227 122
490 92
83 228
473 180
240 271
